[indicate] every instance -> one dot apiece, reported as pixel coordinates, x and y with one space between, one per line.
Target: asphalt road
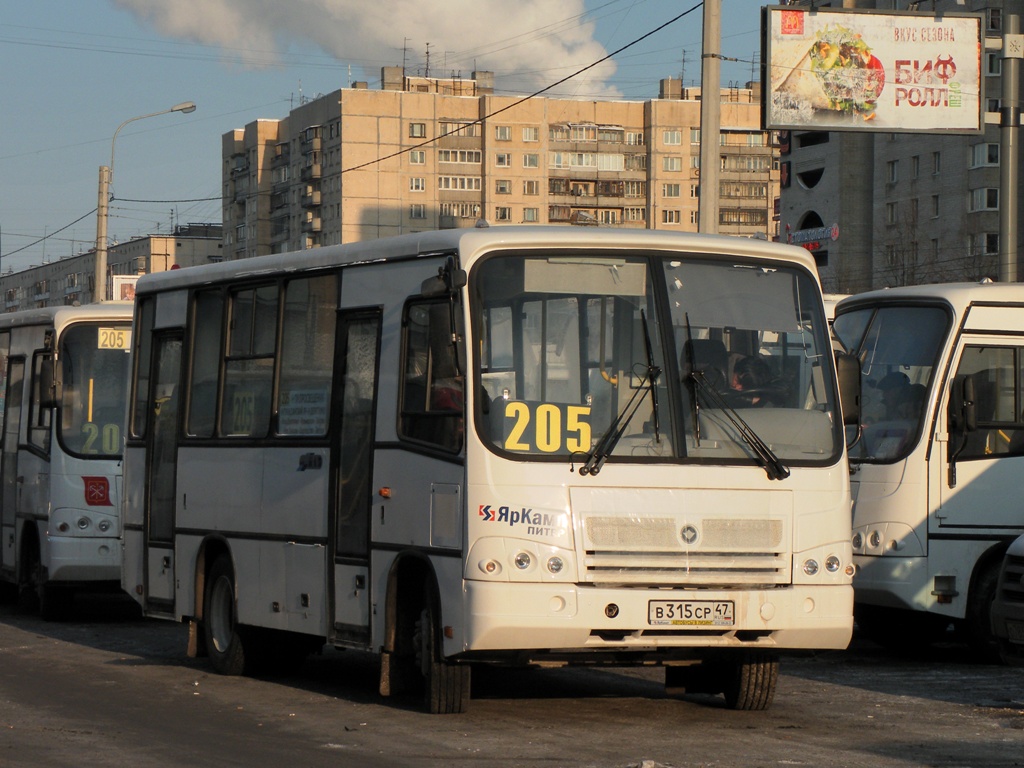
109 688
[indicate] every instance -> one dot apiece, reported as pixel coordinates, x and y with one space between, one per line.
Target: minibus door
9 460
161 475
353 435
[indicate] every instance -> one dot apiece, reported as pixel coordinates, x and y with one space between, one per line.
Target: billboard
846 70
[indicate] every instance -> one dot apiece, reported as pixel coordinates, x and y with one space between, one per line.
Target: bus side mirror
49 394
963 411
848 371
449 280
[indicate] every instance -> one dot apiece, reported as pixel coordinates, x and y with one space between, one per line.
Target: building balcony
311 200
314 171
311 224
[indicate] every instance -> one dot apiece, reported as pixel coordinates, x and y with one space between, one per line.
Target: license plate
1015 630
691 613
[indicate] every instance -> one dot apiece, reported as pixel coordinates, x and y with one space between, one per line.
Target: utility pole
710 117
1009 149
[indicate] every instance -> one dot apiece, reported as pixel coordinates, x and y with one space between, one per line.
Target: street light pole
103 199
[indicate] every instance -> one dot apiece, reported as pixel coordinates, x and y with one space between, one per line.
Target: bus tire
751 680
220 620
445 685
977 624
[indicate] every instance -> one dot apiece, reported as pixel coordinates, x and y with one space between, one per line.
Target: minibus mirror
848 370
449 279
963 412
49 396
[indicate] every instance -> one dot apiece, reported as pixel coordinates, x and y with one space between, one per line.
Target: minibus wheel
445 685
750 681
220 620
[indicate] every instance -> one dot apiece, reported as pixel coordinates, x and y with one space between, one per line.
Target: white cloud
528 45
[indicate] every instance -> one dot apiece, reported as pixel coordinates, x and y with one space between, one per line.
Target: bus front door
9 463
352 449
161 475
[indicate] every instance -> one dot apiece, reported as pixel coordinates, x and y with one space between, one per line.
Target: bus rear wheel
220 624
445 685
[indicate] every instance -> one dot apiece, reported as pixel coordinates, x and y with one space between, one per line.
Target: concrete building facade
423 154
72 280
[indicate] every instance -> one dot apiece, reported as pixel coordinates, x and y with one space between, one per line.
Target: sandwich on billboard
857 70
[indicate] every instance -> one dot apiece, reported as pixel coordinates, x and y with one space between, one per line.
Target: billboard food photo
863 70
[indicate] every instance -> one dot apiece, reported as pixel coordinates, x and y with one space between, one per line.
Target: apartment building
425 153
887 209
71 280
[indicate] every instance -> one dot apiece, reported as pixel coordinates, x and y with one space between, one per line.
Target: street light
106 176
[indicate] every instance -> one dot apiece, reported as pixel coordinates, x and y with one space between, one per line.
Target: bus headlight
523 560
832 563
874 539
858 540
84 523
810 566
103 525
555 564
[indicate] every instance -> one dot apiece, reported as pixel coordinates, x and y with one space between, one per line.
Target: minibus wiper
597 457
772 464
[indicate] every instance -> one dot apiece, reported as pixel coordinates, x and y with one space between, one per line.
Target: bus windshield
674 359
898 348
94 371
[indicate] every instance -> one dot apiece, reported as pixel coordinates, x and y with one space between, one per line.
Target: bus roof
62 315
471 243
957 295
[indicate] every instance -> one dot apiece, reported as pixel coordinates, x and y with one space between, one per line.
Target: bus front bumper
568 618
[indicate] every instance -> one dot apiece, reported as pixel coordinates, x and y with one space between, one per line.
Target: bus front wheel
446 685
220 625
750 682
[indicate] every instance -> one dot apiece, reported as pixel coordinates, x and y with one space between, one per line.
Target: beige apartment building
425 153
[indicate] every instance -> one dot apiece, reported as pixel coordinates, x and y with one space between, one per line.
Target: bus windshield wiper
772 464
597 457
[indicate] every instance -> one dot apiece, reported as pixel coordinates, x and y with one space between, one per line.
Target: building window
670 190
417 211
418 157
694 217
672 163
983 244
531 214
892 171
503 213
935 206
672 138
531 133
993 64
670 217
503 187
635 189
694 191
531 161
994 20
471 156
634 138
417 184
531 187
891 213
695 136
417 130
915 166
634 214
984 199
503 132
503 160
936 162
993 105
984 155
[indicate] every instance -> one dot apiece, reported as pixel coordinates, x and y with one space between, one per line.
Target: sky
74 71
